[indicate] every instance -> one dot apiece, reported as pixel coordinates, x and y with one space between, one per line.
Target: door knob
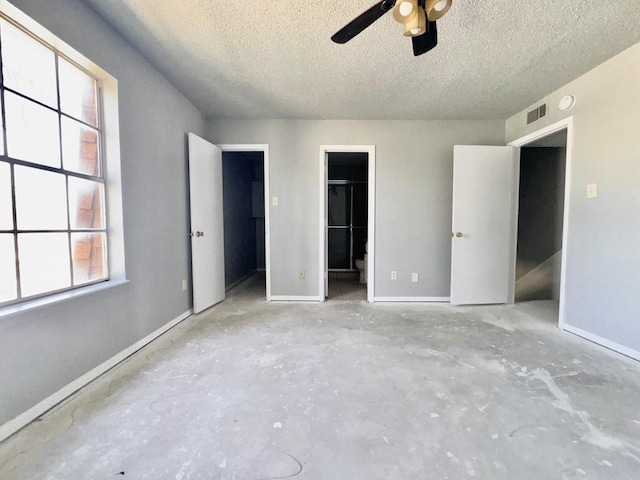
197 234
458 235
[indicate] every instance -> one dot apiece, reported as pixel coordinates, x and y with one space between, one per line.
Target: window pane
360 204
339 204
339 248
80 148
32 131
89 260
6 205
28 66
85 203
44 262
41 199
8 285
77 93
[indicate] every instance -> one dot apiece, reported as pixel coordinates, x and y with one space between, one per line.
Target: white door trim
567 124
264 148
371 218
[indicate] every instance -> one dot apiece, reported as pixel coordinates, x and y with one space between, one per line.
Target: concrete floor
348 390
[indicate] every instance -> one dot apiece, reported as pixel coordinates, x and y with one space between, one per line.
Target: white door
483 181
207 234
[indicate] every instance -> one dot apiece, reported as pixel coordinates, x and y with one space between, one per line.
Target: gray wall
43 350
603 259
413 195
238 173
540 206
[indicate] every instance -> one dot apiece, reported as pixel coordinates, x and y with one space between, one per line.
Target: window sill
59 298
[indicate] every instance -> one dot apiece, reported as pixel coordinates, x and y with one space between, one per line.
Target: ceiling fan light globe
436 9
405 11
405 8
441 5
417 25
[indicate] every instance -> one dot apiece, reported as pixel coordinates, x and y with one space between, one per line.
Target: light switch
592 190
275 201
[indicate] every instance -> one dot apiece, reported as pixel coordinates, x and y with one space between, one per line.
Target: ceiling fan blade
426 41
362 21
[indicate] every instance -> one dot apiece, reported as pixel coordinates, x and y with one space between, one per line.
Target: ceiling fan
418 17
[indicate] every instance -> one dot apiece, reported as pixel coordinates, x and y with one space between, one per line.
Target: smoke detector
567 102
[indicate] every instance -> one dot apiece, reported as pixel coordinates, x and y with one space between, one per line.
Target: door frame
370 150
567 124
264 148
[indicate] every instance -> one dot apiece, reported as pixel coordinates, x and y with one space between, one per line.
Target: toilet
361 265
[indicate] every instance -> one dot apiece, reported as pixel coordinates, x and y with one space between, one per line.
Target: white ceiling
274 59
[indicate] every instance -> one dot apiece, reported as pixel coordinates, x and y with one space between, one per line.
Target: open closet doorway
245 181
347 203
542 188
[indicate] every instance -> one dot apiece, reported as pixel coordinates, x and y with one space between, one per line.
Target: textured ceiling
274 59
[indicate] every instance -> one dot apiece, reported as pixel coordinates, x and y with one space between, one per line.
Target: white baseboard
22 420
616 347
413 299
294 298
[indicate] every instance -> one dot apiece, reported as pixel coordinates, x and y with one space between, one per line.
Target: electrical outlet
301 275
184 284
414 277
394 275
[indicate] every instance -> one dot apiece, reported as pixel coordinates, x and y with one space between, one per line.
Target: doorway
542 213
347 202
246 220
347 225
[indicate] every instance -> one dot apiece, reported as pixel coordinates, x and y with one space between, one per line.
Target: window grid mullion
62 165
15 234
4 118
69 233
44 230
16 251
49 107
48 168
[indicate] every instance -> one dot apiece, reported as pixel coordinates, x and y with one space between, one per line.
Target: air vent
537 113
542 109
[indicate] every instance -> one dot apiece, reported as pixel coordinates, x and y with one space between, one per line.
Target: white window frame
110 150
